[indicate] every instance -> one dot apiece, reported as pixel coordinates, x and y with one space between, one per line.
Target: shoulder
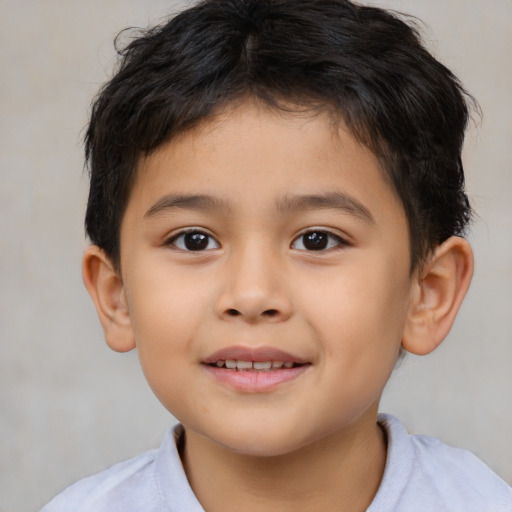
423 470
97 491
152 482
460 476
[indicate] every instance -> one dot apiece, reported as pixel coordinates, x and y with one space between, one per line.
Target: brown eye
194 241
317 241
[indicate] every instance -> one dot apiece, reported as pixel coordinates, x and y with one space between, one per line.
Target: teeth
262 365
232 364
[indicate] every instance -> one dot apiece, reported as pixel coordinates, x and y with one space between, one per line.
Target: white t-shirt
422 474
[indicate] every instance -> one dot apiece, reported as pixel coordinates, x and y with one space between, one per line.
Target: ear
438 290
107 292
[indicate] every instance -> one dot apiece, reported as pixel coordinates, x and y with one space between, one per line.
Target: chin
260 441
262 447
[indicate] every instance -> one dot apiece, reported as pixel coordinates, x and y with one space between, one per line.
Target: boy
276 211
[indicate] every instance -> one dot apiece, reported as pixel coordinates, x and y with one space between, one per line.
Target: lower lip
256 381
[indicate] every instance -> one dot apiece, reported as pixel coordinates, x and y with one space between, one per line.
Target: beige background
69 406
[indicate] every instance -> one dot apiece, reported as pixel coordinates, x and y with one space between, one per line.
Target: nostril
269 313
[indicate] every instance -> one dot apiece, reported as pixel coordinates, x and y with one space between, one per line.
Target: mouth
253 366
257 370
253 359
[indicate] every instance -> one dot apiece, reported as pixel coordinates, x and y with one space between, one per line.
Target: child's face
258 237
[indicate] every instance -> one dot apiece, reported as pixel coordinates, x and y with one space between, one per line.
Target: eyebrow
287 204
329 201
187 202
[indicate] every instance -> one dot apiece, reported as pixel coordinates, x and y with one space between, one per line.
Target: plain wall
69 406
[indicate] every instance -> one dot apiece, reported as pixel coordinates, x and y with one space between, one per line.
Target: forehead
253 156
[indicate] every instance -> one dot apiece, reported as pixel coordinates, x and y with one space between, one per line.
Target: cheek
357 321
165 304
166 314
359 315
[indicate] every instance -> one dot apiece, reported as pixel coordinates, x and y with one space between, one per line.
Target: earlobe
438 291
107 292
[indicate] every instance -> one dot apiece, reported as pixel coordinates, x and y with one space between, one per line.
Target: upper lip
259 354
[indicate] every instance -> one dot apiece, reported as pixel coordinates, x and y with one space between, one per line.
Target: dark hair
363 64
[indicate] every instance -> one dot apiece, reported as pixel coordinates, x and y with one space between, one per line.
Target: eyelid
341 240
175 235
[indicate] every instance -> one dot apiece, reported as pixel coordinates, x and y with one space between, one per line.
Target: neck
340 472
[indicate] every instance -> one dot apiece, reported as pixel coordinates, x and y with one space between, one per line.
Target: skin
310 443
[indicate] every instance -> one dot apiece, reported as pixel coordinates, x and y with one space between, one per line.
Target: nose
253 288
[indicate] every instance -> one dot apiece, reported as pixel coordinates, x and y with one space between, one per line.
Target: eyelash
332 241
192 231
318 237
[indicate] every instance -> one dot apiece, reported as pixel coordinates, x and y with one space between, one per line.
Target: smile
232 364
254 370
